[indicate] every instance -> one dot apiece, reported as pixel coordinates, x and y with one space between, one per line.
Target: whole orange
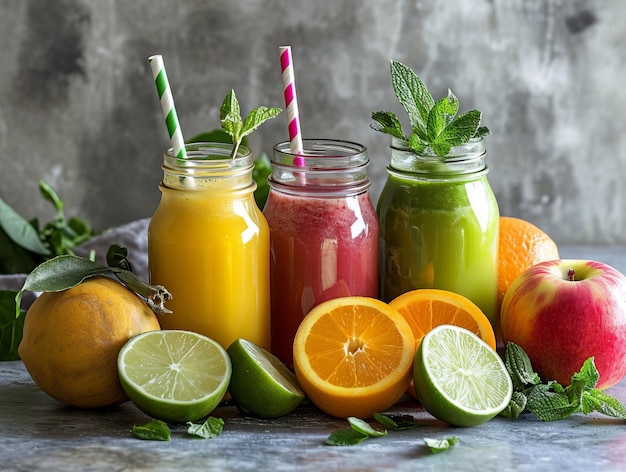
521 246
72 338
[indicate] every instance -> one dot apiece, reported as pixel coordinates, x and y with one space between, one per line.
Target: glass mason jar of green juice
439 225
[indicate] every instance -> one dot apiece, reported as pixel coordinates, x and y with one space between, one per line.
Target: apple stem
570 274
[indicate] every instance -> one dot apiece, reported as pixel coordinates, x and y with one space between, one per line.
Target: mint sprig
236 126
434 125
551 401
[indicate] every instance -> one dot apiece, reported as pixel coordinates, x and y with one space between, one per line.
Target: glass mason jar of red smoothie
323 232
439 225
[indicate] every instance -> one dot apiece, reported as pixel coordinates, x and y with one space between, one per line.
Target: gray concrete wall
78 107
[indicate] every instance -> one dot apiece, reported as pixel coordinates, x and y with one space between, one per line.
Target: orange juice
208 244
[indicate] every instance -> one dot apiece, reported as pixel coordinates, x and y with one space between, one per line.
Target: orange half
424 309
353 356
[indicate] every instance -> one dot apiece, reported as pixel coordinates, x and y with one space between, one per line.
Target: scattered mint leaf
440 445
364 428
385 421
153 430
434 125
238 128
211 428
345 437
396 422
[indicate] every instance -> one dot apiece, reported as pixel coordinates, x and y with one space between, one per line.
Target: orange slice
353 356
425 309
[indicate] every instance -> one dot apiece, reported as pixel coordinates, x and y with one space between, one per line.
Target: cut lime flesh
260 384
174 375
459 378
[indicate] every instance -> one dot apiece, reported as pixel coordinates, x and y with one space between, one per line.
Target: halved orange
425 309
353 356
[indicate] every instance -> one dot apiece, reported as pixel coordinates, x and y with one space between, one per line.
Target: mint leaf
364 428
441 114
434 125
396 422
519 367
211 428
345 437
550 405
387 122
462 128
516 406
413 95
154 430
440 445
235 126
416 143
257 117
596 400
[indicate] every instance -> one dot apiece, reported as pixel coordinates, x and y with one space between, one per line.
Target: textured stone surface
39 433
78 107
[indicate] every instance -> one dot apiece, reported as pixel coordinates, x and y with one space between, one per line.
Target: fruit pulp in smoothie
321 248
211 251
439 234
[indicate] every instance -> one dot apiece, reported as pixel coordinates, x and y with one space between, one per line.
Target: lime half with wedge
261 384
459 378
174 375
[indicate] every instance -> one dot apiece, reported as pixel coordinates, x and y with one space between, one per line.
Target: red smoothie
322 247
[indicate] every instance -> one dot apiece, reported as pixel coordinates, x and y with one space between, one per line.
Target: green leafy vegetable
11 327
236 126
23 245
551 401
153 430
434 125
440 445
211 428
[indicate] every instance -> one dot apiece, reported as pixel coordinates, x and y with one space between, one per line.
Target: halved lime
260 383
174 375
459 378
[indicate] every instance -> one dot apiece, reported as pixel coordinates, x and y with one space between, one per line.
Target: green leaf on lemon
154 430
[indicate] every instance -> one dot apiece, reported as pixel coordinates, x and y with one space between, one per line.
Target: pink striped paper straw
291 103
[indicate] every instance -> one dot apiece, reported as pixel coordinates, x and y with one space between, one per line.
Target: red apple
563 312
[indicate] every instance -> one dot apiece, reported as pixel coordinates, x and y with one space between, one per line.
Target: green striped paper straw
167 106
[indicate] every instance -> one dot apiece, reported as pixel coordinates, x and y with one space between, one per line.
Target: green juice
439 229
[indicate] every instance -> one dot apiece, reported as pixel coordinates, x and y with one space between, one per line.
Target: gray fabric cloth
133 236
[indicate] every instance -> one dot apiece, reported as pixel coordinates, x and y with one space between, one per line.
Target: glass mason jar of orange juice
323 232
439 225
208 244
